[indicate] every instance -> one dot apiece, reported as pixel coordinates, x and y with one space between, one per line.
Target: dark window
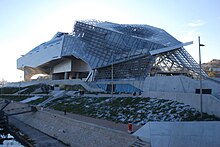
204 91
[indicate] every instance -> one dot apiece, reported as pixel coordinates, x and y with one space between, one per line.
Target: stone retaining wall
74 132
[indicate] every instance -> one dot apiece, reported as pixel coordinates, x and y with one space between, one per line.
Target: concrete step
140 143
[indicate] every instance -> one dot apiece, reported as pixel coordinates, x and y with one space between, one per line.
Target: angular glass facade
127 47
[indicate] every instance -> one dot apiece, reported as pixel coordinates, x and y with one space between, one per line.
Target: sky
25 24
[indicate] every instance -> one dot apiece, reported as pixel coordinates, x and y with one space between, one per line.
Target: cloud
196 23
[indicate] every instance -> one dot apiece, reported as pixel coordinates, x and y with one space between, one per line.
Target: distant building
94 48
212 68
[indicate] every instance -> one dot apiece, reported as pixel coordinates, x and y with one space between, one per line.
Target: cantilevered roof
170 48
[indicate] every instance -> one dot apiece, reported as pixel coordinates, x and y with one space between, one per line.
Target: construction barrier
130 128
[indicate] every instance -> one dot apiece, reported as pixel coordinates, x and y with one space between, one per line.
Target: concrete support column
65 75
70 76
77 75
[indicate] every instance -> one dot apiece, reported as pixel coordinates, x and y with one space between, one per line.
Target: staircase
140 143
56 95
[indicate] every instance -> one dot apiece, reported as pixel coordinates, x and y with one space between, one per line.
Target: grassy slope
137 110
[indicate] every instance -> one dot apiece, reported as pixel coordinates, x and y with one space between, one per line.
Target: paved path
100 122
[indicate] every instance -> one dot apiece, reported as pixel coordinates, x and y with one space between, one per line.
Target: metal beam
170 48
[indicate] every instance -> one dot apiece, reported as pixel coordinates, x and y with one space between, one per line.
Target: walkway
100 122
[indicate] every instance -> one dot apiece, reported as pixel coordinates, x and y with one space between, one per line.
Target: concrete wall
64 66
181 84
182 89
74 132
210 103
181 134
79 65
178 84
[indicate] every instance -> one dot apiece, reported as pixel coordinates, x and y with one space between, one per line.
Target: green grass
9 90
14 97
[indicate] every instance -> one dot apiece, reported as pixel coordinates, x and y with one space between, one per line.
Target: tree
211 74
2 82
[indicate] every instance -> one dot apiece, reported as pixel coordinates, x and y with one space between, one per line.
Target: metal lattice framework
102 43
178 60
135 50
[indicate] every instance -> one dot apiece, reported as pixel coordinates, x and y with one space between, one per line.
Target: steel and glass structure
93 47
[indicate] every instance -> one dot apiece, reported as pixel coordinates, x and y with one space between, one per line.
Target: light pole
112 78
200 77
19 92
